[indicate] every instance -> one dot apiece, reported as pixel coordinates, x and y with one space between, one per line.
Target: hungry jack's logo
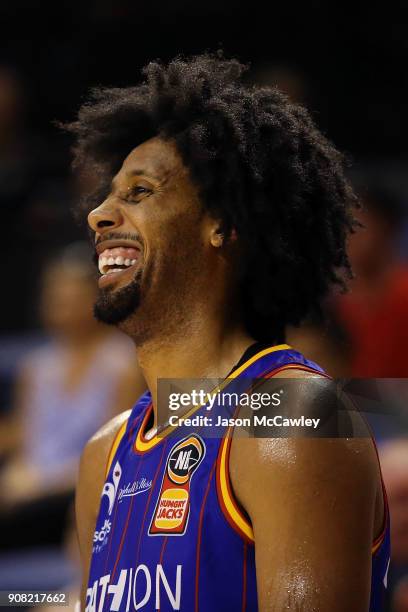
172 510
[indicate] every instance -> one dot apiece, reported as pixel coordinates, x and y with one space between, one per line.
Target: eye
137 192
139 189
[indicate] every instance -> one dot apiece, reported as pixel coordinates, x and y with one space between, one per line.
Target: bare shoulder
96 452
335 467
90 483
315 508
104 437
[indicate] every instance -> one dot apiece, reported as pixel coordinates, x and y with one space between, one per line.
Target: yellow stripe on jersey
228 501
145 445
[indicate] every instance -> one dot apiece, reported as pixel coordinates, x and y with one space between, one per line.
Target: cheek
178 256
181 230
170 223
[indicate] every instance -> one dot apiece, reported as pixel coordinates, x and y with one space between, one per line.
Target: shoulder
315 469
92 469
92 475
97 449
90 483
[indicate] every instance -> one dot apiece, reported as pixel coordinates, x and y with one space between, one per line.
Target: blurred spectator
374 313
65 391
72 557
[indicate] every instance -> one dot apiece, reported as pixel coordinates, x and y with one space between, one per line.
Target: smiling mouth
117 259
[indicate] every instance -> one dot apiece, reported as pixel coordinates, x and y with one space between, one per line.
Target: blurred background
56 364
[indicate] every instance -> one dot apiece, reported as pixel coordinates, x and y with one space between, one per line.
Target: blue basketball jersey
170 535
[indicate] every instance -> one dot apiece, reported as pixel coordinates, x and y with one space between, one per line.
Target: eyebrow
137 172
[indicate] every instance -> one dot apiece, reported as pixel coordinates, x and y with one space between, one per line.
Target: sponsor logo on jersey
172 509
110 489
101 534
134 488
113 492
136 588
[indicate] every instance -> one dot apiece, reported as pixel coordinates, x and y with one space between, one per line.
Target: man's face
151 237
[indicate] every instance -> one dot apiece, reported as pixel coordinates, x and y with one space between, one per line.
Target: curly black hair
260 165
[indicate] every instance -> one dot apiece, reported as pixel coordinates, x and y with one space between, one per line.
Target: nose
105 217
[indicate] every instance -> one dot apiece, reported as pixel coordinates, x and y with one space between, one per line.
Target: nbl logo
184 459
173 505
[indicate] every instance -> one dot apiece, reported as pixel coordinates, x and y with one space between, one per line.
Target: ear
217 237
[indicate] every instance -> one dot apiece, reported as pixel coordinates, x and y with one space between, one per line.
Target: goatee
115 306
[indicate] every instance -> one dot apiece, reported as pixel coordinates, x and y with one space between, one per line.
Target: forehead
156 158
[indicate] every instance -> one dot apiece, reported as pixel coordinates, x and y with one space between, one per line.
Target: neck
199 351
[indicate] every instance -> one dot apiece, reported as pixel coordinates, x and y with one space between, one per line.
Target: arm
90 483
313 507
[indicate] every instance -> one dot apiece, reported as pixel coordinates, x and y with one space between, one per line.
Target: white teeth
113 270
103 261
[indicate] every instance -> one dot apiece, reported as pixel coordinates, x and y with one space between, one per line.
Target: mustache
134 237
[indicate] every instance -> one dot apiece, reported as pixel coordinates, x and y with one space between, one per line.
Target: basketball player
222 217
